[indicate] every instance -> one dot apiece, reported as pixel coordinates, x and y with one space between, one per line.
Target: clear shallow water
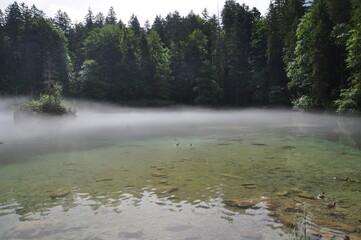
164 175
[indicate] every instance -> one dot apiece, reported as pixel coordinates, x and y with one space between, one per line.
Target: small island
49 104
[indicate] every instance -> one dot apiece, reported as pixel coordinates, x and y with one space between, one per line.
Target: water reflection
145 217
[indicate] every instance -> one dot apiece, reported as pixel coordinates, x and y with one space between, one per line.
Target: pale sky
143 9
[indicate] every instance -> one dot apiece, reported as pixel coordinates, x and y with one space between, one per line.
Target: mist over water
116 162
101 121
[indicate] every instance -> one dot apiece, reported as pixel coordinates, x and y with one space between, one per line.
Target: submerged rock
159 174
249 185
231 176
166 189
59 193
336 226
291 208
245 202
306 195
163 182
105 180
355 236
288 147
258 144
322 234
287 220
283 193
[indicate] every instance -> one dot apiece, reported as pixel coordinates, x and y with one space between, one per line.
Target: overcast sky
143 9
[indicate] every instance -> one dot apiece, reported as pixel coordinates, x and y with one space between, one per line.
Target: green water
173 187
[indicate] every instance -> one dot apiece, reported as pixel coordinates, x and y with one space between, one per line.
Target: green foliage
160 58
303 103
349 101
50 103
305 54
238 24
209 92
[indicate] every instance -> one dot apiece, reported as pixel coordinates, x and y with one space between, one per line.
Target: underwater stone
306 195
163 182
249 186
166 189
300 200
231 176
291 208
287 220
245 202
322 234
259 144
355 236
283 193
288 147
336 226
59 193
159 174
105 180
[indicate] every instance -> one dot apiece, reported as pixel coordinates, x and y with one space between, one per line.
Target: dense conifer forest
305 55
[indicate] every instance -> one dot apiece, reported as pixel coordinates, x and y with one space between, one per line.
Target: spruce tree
111 18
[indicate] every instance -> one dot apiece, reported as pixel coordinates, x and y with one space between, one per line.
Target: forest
301 54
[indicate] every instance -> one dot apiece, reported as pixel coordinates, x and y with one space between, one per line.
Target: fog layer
104 123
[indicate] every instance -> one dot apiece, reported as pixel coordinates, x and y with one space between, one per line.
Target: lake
180 173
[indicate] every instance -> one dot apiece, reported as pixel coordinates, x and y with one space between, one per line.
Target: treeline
301 54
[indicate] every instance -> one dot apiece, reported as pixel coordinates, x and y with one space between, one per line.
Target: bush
348 102
50 103
304 103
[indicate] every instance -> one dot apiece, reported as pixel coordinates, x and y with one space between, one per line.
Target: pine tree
99 20
238 22
35 12
135 25
111 17
62 22
2 53
89 19
278 94
14 27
